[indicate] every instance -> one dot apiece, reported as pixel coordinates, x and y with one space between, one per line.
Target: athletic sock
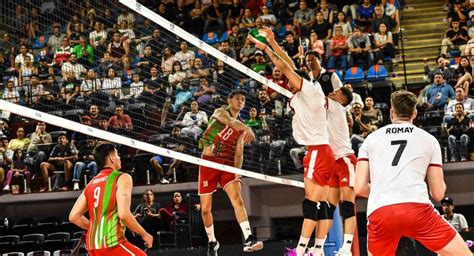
245 226
301 248
319 245
210 233
347 245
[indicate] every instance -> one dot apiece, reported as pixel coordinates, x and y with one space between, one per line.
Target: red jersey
105 228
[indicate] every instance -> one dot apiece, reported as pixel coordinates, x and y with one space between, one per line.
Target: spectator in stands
338 48
10 94
304 19
315 44
457 130
94 115
20 142
365 13
193 121
196 22
215 15
85 162
98 39
185 56
34 92
72 66
105 63
127 32
455 38
359 48
84 52
247 52
464 74
70 88
236 38
345 25
374 114
20 58
54 41
112 86
18 168
266 106
326 10
136 88
26 71
248 20
45 67
175 212
7 47
234 14
224 47
391 10
361 128
147 213
379 18
62 157
205 92
258 150
89 86
147 61
384 46
176 78
6 156
118 48
78 139
443 67
322 28
75 34
439 93
260 64
40 141
268 19
61 54
126 16
198 72
460 98
108 20
167 62
456 220
120 120
291 46
457 12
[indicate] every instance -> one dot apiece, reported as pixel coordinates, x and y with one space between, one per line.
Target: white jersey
399 156
310 124
339 136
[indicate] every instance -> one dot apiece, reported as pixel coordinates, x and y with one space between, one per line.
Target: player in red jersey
223 142
397 159
107 198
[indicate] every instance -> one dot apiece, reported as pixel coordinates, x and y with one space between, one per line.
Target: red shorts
209 177
344 172
421 222
318 164
122 249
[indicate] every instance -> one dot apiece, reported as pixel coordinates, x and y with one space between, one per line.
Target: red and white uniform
339 140
399 156
310 128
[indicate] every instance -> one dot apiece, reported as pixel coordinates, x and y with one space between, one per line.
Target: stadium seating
377 73
354 75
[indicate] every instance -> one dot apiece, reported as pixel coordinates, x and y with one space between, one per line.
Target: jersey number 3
402 145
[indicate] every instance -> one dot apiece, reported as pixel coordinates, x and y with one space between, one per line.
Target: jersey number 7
402 144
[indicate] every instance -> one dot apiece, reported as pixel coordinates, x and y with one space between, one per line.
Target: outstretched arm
293 78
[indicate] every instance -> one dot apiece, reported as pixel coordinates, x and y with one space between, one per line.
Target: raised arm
293 78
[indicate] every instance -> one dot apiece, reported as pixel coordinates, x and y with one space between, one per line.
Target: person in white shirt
355 97
136 87
20 58
193 121
456 220
10 94
72 66
310 128
468 104
185 56
396 160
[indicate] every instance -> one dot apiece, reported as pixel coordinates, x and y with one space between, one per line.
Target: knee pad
347 210
326 211
310 209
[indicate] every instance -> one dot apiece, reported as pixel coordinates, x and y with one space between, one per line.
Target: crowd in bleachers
100 64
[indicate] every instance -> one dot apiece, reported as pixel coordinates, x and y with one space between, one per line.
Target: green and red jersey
105 228
221 137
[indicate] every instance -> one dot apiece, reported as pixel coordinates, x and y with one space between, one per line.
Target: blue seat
211 38
354 75
377 73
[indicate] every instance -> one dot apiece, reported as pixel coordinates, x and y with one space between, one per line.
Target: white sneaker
76 186
342 252
164 181
6 188
313 251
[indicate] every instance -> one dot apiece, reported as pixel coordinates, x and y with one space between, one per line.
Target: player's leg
207 184
456 247
347 211
327 206
384 230
233 188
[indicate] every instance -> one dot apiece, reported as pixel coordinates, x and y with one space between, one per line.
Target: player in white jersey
309 129
396 159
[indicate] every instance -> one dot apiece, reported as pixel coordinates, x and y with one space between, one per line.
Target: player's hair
403 103
101 153
348 94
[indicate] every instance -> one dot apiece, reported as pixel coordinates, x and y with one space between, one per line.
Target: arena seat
354 75
377 73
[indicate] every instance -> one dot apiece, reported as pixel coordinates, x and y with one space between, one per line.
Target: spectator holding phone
147 212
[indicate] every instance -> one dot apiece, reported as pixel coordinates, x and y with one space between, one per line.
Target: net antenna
144 11
112 137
